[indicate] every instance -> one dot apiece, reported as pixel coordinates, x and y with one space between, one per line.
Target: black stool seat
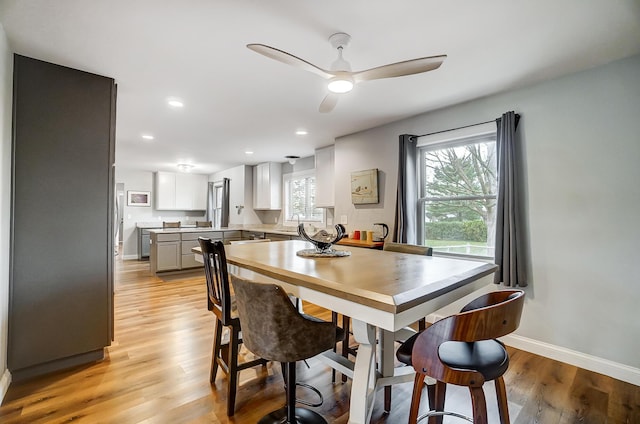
488 357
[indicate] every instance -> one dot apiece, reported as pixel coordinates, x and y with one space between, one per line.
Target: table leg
364 373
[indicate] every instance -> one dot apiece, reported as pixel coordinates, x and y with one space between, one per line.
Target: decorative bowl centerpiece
322 242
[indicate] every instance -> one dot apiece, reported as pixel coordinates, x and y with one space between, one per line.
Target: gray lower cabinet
189 241
252 235
168 252
230 236
276 237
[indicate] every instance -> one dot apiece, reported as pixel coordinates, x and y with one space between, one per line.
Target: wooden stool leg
387 399
501 394
438 404
415 398
334 320
217 340
345 341
479 405
233 370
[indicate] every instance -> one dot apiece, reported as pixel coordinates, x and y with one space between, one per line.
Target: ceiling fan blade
328 103
398 69
289 59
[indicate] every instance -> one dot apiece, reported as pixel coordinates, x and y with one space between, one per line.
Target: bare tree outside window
459 196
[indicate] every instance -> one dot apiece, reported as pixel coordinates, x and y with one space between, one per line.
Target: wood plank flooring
157 371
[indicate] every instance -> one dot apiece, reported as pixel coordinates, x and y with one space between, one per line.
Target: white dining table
383 292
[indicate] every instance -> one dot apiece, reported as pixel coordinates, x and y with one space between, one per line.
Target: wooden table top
389 281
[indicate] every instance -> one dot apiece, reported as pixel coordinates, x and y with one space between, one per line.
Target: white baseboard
4 384
568 356
578 359
130 257
558 353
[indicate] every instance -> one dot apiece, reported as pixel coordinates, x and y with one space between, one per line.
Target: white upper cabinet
181 192
267 186
325 177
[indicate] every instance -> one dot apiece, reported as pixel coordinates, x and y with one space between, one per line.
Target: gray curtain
210 203
406 200
509 232
224 221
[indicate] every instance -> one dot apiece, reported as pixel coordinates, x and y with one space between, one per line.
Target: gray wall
240 194
581 140
6 78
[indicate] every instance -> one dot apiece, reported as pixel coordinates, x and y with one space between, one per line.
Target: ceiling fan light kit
341 78
340 85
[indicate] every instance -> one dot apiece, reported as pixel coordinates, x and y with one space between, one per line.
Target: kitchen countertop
224 229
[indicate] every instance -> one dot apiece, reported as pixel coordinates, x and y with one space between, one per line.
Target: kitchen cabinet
189 241
168 252
178 191
267 186
325 181
61 261
252 235
230 236
277 237
171 249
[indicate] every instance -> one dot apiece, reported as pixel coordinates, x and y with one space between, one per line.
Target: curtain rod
415 137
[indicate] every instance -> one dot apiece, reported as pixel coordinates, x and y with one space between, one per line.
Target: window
457 205
300 198
217 208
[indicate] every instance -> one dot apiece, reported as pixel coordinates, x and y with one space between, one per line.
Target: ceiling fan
341 78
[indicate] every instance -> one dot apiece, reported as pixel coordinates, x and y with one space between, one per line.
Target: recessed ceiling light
147 136
301 132
248 152
175 103
185 167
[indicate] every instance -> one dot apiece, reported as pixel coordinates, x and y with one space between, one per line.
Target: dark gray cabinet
62 235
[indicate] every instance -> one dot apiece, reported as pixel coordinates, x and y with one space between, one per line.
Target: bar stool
222 303
462 349
273 329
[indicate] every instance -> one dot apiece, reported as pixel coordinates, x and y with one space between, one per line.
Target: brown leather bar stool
166 224
273 328
222 303
203 224
462 349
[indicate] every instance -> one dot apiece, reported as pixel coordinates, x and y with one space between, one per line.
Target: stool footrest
443 413
303 416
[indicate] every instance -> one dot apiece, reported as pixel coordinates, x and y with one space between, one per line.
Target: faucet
298 217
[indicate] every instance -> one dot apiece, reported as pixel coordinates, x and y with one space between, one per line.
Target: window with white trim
299 194
458 190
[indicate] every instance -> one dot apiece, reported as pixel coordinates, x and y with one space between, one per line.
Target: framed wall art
138 198
364 187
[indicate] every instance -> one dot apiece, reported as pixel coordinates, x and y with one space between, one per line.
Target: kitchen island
170 248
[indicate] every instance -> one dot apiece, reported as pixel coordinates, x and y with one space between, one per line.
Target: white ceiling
237 100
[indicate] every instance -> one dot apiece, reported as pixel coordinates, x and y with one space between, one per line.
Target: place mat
311 253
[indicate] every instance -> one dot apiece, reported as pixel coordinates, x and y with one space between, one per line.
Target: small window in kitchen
458 190
299 194
217 208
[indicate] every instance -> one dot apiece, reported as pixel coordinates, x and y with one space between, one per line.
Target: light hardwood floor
157 371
